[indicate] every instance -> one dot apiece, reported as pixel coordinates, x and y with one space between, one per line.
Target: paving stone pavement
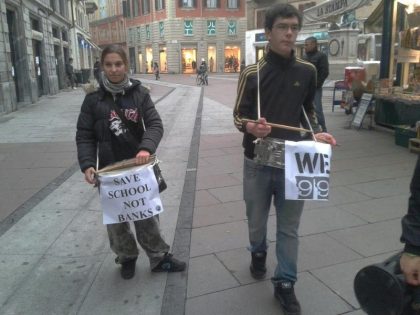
53 244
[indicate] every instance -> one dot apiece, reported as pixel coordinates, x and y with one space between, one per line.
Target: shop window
188 28
161 29
212 4
145 6
232 58
159 5
211 27
233 4
187 3
231 28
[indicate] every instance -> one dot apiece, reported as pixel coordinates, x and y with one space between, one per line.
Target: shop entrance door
36 50
232 58
17 70
189 60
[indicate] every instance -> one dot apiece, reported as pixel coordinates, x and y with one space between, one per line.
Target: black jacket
285 86
411 221
320 61
99 126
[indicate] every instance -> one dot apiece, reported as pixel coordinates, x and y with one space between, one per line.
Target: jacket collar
102 91
281 61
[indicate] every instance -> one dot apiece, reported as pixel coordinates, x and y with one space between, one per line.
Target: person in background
320 61
285 86
101 135
203 71
70 73
156 71
97 70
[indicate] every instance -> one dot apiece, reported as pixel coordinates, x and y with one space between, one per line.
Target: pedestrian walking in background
97 70
70 73
320 61
156 71
102 134
203 72
283 87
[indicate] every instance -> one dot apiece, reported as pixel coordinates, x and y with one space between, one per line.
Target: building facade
38 38
179 34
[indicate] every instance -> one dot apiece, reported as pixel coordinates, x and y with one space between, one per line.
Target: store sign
260 37
188 28
161 29
232 28
331 9
211 27
147 31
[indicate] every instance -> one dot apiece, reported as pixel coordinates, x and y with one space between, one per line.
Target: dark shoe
285 293
128 269
257 267
169 264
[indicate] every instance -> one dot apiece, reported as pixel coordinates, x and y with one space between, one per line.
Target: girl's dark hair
283 10
114 49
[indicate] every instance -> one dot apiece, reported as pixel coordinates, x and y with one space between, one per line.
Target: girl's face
114 67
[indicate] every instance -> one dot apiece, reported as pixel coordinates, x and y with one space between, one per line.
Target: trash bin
86 75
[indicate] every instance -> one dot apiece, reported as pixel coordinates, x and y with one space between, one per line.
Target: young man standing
70 73
320 61
286 87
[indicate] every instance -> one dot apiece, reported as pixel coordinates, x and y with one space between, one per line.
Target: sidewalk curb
175 295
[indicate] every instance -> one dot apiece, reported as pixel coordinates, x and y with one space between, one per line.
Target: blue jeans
261 183
318 109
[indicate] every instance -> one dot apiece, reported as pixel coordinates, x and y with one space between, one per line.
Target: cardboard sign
361 110
307 170
129 194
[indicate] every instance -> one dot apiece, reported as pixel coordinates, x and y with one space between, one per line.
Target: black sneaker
257 267
169 264
285 293
128 269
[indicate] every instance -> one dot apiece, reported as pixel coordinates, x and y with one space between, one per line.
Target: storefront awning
329 10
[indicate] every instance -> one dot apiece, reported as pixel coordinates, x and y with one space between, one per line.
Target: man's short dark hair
311 39
283 10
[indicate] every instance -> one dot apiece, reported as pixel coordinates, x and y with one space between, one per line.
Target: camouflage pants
123 243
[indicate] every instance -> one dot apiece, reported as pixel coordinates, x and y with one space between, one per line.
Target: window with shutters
145 6
233 4
159 5
187 3
211 4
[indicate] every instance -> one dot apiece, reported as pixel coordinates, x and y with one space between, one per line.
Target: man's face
282 36
309 46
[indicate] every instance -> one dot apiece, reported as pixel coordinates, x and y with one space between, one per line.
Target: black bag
156 169
159 178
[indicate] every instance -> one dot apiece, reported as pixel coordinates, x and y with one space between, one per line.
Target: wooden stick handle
123 164
279 126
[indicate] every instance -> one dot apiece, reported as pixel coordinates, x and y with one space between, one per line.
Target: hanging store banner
307 170
329 10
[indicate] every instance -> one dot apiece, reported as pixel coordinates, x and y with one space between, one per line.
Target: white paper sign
129 195
307 170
